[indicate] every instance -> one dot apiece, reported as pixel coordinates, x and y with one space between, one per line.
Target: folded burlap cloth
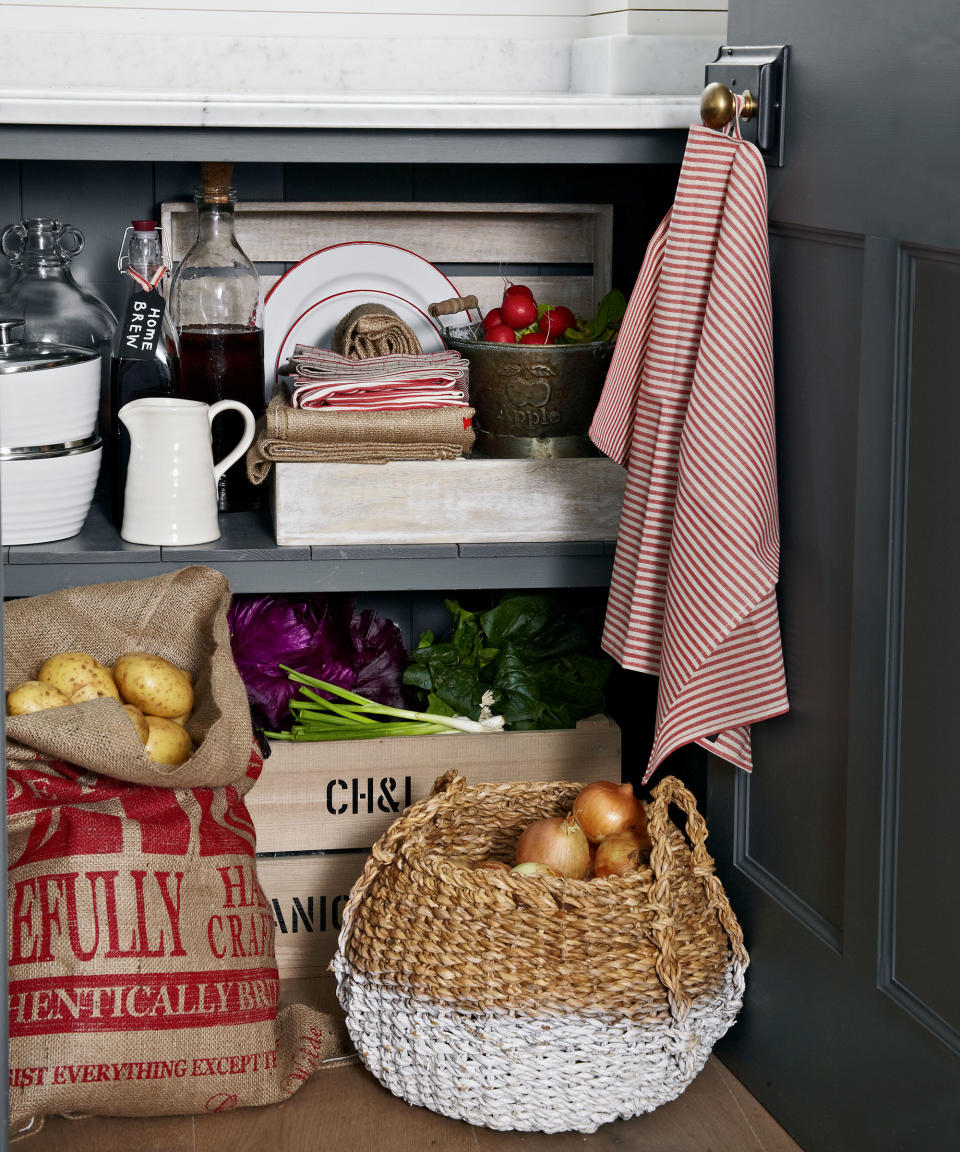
286 435
373 330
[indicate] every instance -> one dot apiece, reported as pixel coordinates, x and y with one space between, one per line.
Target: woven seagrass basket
527 1002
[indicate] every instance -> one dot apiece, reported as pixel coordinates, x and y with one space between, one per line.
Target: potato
69 671
33 696
154 685
98 685
182 720
167 743
139 721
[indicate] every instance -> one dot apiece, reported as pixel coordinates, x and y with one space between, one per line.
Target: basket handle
386 849
451 307
671 791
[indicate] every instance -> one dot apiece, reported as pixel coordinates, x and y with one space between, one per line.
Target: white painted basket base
552 1074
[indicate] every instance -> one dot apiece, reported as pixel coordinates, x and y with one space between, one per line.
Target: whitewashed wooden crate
346 793
484 236
470 501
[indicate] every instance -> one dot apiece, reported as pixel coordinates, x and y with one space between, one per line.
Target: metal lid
46 451
19 355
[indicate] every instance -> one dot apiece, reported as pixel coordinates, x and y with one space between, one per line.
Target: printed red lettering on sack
142 1002
47 908
225 825
308 1055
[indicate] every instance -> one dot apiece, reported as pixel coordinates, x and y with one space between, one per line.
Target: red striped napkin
687 408
324 379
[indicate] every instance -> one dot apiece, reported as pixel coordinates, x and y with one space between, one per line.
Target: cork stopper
215 177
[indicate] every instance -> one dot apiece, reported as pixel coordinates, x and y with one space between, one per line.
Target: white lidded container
49 393
46 493
49 451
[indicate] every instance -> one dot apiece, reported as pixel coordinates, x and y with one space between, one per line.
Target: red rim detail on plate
354 244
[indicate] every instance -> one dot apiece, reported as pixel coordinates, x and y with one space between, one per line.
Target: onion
619 853
604 808
532 868
558 842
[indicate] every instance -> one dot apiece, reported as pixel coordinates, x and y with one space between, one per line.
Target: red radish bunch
520 320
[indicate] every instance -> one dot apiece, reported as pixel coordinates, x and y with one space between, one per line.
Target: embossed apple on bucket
537 372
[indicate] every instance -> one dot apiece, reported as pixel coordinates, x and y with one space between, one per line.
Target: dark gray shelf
251 560
344 145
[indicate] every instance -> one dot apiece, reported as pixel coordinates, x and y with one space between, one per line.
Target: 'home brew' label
141 325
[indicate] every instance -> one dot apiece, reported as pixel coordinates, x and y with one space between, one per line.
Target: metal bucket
534 400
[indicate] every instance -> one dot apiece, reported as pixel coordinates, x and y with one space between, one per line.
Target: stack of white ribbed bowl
49 450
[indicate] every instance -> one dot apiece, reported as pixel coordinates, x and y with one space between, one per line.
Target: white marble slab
173 80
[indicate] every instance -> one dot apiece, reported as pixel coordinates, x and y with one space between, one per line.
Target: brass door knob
717 105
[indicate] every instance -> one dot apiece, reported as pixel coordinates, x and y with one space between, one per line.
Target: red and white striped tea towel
687 408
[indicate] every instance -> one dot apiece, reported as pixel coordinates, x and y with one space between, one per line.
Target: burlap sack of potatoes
142 972
181 616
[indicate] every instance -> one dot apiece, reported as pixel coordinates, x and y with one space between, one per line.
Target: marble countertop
222 81
415 111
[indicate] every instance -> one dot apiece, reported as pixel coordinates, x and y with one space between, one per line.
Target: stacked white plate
49 451
308 302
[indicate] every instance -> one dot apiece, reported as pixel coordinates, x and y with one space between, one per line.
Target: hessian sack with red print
140 945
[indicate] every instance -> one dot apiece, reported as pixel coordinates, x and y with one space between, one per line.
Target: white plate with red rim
318 323
356 266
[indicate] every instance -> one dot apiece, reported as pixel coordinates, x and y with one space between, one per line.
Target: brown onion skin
604 808
559 842
620 853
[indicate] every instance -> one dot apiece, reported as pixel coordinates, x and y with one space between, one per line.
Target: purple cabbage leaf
320 636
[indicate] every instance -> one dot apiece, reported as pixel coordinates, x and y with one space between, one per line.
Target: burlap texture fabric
291 435
535 1003
143 978
181 616
373 330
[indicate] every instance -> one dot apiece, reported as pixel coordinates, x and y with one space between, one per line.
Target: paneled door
840 851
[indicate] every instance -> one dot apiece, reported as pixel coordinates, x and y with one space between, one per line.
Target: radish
517 290
518 311
555 321
491 319
536 338
501 334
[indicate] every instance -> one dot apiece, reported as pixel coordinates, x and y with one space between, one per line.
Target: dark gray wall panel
927 934
101 200
804 753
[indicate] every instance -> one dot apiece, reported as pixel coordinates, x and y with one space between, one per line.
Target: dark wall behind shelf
102 198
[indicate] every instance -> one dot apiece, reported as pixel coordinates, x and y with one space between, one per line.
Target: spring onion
354 717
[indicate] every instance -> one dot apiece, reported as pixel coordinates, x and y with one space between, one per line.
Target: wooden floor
343 1109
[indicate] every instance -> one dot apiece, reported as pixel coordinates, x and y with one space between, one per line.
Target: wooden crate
307 892
317 809
472 501
571 244
344 794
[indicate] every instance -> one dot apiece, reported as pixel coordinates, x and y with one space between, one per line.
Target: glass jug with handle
42 289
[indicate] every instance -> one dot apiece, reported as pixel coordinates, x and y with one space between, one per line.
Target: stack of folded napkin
398 407
323 379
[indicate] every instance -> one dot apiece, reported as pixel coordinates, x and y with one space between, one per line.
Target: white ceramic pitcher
171 491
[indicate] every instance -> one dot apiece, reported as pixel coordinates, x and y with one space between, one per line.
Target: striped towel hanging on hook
687 409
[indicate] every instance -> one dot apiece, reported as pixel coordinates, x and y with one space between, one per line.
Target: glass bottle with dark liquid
143 360
217 307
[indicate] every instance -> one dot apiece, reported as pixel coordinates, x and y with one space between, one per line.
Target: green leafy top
536 652
603 326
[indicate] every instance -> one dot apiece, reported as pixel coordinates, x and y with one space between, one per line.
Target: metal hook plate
763 71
